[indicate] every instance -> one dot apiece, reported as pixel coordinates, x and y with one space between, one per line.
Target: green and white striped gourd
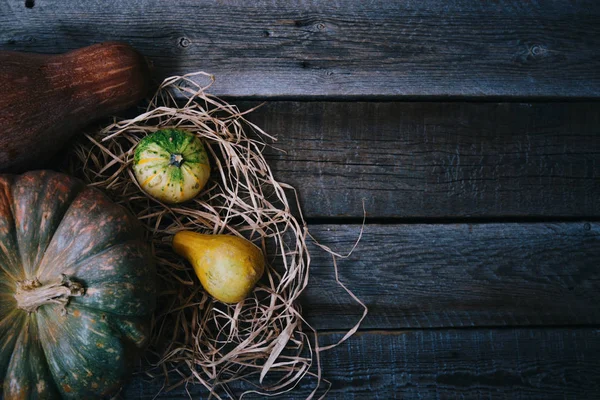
171 165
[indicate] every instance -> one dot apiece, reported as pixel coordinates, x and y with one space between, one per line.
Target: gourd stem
176 160
31 294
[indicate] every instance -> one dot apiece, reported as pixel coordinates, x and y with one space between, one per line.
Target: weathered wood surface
524 295
450 364
318 48
427 276
457 275
424 160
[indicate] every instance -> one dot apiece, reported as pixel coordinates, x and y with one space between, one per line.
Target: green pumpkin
77 288
171 165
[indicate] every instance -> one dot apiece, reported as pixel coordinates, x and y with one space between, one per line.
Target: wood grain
465 275
437 160
450 364
316 48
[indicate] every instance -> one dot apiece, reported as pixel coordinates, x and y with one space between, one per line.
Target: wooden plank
316 48
438 160
457 275
450 364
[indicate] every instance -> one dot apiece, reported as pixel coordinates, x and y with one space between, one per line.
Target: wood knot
532 52
184 42
538 50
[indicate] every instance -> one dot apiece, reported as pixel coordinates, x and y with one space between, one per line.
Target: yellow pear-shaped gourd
228 266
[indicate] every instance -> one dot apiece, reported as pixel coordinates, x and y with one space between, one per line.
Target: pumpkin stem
31 294
176 160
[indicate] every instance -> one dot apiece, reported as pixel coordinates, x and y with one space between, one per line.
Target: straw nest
263 341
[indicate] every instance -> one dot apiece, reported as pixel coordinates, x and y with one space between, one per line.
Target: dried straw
262 340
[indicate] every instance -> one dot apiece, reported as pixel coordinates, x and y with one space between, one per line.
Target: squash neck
99 79
31 294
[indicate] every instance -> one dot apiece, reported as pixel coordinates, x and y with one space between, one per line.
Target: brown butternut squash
45 99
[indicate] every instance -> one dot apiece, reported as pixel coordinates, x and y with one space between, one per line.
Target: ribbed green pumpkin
61 238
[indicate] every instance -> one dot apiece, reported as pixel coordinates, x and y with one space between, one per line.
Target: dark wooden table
471 132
